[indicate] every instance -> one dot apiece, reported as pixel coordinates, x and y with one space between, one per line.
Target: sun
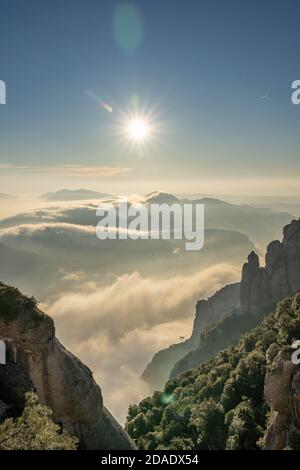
137 130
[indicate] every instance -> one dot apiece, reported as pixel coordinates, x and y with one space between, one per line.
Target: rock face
257 293
211 310
214 309
61 381
262 288
282 393
158 370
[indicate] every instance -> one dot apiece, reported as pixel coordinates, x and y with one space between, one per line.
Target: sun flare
137 130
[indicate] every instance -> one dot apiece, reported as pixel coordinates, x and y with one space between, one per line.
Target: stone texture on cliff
260 289
282 393
214 309
211 310
61 381
263 287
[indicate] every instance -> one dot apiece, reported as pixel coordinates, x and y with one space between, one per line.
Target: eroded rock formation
213 309
282 393
258 293
263 287
61 381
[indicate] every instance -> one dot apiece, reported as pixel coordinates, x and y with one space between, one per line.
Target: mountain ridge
245 398
259 291
73 195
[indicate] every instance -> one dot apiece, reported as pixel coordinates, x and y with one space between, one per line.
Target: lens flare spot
167 398
128 28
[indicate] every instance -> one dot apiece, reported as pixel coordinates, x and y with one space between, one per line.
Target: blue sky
217 73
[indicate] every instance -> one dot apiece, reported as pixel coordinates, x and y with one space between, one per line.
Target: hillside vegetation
215 338
34 430
221 404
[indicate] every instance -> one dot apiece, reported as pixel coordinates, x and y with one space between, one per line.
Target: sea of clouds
115 303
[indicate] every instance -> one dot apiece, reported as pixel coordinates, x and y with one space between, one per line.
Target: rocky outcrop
282 393
258 293
260 289
214 309
209 311
263 287
61 381
254 291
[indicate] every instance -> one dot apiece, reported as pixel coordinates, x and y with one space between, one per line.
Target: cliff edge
36 358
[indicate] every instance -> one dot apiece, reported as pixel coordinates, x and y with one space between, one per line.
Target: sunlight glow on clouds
120 326
75 171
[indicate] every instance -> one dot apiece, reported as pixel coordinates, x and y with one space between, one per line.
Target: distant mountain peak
160 197
214 200
73 195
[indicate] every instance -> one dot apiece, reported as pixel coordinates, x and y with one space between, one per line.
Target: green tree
221 403
244 430
208 419
34 430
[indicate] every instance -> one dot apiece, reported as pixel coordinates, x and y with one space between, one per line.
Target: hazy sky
213 77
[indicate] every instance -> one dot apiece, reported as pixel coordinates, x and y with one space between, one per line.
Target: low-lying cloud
117 328
115 303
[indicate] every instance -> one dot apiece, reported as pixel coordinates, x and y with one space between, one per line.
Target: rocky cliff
37 359
213 309
246 397
282 393
263 287
257 294
208 311
260 289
